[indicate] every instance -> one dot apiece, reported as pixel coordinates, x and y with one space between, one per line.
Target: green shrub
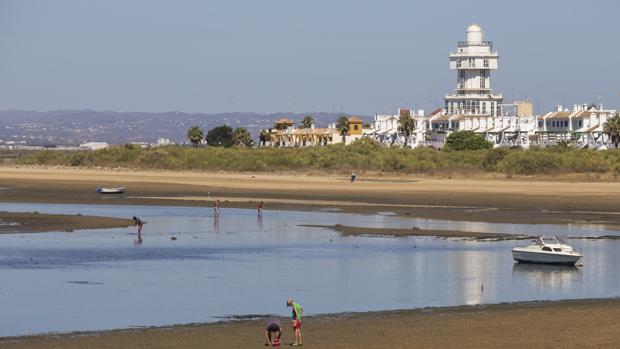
363 155
493 157
530 162
467 140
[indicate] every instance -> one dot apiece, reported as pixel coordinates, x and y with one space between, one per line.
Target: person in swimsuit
296 317
274 328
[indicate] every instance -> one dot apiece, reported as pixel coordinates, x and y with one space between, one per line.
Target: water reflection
216 223
541 276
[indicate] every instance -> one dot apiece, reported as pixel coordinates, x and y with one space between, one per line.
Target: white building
385 128
473 63
94 145
583 126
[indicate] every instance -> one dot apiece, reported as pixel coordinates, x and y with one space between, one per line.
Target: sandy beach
395 232
13 222
560 200
562 324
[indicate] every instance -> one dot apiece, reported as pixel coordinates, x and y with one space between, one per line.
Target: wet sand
523 200
13 222
457 234
562 324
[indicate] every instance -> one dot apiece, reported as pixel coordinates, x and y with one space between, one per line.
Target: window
557 249
355 127
458 63
580 122
540 124
492 108
484 107
545 248
486 63
472 62
566 123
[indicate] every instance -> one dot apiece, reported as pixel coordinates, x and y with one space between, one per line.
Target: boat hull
111 190
545 258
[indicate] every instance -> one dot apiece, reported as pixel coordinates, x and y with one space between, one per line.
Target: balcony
473 43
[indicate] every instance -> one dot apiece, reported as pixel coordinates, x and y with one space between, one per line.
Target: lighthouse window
458 63
486 63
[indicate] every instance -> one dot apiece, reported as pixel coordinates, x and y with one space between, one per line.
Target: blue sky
359 56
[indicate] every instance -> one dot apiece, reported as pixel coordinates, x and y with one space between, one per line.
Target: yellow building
523 108
355 126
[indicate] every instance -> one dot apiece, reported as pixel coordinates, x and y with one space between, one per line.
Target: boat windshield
553 240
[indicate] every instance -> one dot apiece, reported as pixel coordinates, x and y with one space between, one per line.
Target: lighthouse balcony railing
475 43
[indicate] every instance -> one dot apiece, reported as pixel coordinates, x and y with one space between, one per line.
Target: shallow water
243 264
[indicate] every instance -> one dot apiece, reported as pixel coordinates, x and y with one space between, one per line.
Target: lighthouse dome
475 33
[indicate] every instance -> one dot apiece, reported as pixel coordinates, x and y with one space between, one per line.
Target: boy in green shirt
296 316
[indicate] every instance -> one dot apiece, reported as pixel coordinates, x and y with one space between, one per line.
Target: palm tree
241 137
612 129
406 125
307 121
342 124
195 135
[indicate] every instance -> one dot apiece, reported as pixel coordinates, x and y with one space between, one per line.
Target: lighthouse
473 62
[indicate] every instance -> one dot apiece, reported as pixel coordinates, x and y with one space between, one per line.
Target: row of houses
285 134
582 127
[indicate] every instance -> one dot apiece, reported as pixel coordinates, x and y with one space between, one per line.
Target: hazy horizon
357 57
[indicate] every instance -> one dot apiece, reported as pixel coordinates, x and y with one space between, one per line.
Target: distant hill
70 127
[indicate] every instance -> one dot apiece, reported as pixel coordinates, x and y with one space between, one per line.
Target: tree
467 140
241 137
612 129
342 124
195 134
307 121
406 125
221 136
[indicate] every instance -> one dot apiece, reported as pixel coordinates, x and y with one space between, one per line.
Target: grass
363 155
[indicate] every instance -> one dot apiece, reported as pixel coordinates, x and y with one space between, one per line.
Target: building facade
473 62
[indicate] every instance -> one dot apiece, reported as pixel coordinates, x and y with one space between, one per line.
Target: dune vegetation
363 155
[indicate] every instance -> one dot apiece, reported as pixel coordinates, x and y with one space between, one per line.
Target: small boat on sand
547 250
104 190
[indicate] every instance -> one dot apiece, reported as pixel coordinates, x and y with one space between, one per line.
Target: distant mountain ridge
71 127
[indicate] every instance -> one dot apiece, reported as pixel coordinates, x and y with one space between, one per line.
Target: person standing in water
260 208
137 222
296 317
216 208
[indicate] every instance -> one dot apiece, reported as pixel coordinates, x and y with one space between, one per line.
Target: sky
354 56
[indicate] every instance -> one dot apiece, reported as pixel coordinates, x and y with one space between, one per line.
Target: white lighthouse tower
473 63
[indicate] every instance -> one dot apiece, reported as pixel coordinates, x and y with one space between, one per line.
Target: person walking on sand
137 222
296 317
216 208
273 327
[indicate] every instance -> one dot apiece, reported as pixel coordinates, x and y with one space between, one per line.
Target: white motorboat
103 190
547 250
